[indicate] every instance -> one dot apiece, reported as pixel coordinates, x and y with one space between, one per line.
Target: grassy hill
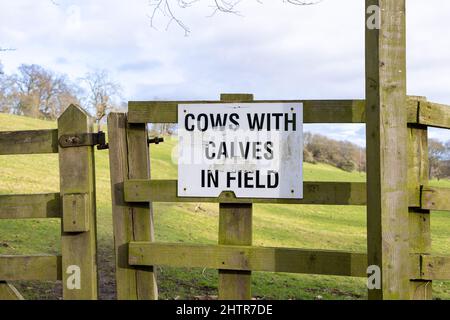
303 226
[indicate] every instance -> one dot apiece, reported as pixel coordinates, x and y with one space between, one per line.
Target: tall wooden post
129 159
386 131
235 228
77 187
419 219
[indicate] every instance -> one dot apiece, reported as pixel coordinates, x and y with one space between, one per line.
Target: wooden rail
436 198
288 260
419 111
315 111
28 142
435 267
433 114
248 258
38 267
30 206
324 193
336 193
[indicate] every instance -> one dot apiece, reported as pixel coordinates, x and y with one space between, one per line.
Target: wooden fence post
419 219
235 228
129 159
77 188
386 132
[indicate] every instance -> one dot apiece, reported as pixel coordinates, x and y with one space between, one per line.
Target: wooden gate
74 205
397 193
234 256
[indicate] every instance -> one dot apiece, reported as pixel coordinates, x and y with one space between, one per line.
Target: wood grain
332 193
77 176
386 134
130 221
419 219
30 206
35 267
248 258
28 142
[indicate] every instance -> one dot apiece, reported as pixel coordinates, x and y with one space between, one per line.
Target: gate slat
435 267
36 267
436 198
332 193
30 206
315 111
29 142
266 259
434 114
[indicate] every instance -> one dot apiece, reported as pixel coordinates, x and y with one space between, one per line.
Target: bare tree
167 8
165 129
342 154
102 92
436 156
4 107
37 92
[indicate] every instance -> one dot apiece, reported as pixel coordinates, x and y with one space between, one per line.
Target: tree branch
166 8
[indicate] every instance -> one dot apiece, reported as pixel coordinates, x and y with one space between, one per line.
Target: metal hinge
155 140
84 139
93 139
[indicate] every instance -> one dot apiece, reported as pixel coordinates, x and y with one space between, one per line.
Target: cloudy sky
273 50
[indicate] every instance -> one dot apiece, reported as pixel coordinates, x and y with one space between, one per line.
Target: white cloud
274 50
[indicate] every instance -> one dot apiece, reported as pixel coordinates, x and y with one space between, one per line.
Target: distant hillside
13 122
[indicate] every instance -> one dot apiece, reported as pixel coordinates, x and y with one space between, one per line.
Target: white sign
252 149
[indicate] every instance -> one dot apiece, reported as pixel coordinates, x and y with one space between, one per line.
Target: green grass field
303 226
